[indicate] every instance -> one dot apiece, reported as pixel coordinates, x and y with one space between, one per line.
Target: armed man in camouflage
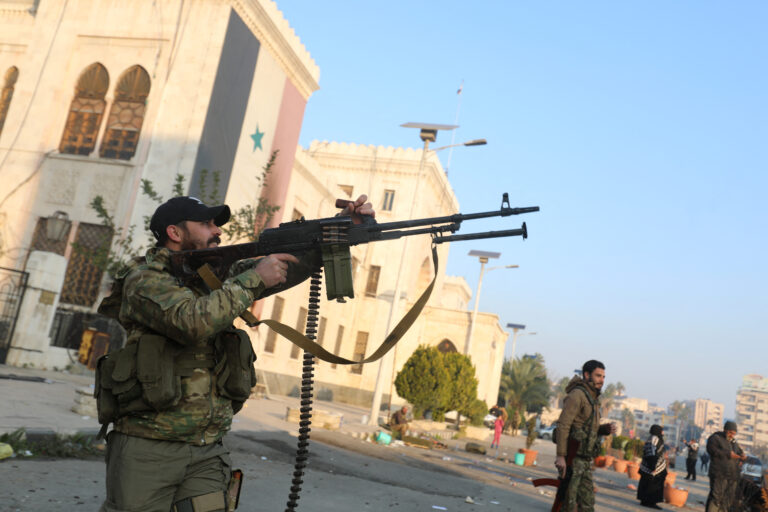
577 437
172 390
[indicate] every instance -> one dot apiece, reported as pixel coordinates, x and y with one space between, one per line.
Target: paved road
345 473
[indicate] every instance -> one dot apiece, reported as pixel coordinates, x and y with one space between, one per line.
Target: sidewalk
45 404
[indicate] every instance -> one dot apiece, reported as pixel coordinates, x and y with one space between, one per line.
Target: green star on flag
257 139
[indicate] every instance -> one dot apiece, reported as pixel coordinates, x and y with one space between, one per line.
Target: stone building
752 412
101 97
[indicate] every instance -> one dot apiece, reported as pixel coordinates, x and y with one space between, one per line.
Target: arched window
86 111
7 93
126 115
446 346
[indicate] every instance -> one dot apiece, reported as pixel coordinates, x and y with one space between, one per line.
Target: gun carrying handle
366 219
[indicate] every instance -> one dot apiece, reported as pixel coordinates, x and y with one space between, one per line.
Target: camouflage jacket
580 419
153 302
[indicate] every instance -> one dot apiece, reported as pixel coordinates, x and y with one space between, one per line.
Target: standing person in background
691 458
498 427
704 462
653 470
724 473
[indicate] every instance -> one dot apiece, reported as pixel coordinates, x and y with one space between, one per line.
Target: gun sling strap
317 350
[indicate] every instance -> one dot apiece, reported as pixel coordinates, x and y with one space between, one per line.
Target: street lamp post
427 133
483 256
516 328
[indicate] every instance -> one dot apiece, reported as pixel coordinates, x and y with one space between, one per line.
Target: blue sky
640 130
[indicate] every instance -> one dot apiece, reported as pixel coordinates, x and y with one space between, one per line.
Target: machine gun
334 236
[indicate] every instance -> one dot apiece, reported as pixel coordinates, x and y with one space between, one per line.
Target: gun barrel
488 234
456 218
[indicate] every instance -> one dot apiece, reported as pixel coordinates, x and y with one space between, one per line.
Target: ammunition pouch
235 374
146 376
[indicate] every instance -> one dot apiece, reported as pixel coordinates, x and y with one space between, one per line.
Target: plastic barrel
520 459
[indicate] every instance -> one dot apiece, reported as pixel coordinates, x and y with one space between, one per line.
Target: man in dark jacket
724 471
691 458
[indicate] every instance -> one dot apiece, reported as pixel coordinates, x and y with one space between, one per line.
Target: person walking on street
653 470
726 457
186 370
691 459
577 437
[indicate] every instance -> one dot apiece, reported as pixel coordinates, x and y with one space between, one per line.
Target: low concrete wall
281 384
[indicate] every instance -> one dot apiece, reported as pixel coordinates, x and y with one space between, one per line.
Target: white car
547 433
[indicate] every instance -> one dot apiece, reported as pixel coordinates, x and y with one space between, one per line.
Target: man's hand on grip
273 269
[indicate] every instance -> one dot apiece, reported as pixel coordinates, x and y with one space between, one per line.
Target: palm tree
524 387
608 399
627 421
559 390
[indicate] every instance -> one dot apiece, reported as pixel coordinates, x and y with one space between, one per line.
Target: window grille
360 345
85 112
41 242
300 325
389 200
373 281
337 347
277 313
126 115
83 277
7 93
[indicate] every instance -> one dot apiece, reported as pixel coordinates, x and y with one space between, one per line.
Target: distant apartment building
631 403
707 415
752 411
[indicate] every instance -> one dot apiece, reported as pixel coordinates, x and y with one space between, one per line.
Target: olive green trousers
148 475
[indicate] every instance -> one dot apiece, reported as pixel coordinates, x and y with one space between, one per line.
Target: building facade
100 99
401 186
752 412
708 416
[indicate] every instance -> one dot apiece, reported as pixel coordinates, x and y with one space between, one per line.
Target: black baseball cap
182 208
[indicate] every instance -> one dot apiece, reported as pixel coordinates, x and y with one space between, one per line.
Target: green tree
524 387
423 381
462 384
244 225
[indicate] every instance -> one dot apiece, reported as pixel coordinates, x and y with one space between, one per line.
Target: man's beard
188 245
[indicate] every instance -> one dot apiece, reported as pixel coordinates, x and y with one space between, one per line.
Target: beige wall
180 50
318 171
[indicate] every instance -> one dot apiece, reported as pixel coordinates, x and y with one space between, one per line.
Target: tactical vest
146 375
585 434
